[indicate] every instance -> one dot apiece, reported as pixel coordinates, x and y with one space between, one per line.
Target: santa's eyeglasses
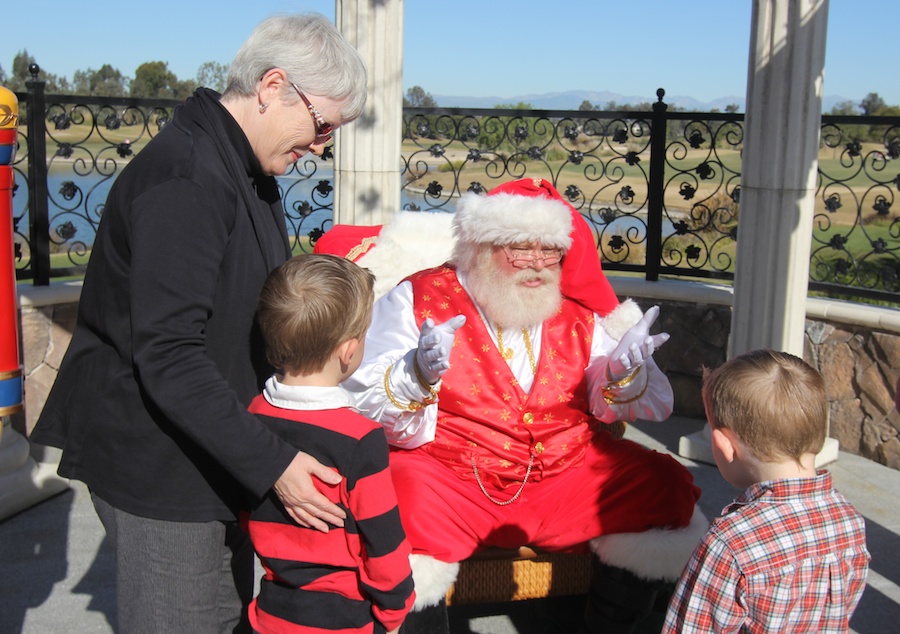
524 257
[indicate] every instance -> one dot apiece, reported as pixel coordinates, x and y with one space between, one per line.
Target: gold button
528 417
539 448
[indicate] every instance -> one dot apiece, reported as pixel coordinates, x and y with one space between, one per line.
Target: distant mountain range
572 99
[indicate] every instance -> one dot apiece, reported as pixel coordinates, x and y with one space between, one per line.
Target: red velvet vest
484 414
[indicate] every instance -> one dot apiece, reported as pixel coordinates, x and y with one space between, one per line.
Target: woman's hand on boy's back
301 499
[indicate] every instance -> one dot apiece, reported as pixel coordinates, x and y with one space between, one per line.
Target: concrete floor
56 571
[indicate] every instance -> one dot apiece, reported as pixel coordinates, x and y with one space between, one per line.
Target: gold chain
507 353
514 497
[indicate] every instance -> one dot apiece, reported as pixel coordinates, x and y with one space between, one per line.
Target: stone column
778 183
367 152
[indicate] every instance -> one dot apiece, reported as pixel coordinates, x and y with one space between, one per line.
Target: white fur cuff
622 317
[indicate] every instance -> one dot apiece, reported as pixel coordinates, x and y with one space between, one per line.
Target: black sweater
150 402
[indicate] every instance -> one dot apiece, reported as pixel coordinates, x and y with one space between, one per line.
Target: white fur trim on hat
657 553
432 578
505 218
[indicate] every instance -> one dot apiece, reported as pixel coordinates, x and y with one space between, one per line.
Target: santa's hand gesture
435 344
635 347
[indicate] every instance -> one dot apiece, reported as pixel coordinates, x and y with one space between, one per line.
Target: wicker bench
497 576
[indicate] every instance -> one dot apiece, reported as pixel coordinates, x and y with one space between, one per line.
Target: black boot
432 620
617 601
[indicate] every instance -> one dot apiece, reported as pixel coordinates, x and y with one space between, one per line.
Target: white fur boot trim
622 317
432 579
654 554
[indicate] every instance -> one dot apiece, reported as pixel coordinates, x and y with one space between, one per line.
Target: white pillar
367 152
778 185
778 178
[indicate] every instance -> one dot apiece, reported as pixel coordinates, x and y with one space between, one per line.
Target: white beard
503 298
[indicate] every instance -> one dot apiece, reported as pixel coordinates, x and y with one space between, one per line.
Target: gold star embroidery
504 415
426 298
548 417
574 332
514 382
541 401
474 390
437 283
561 398
457 289
551 353
425 314
506 464
564 446
445 305
485 348
559 376
544 380
591 319
507 446
506 396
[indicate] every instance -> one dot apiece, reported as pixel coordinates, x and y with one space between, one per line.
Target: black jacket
150 402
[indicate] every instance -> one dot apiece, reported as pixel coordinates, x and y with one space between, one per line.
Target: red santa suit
536 439
509 449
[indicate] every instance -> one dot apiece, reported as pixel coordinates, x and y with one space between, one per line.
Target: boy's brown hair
773 401
311 304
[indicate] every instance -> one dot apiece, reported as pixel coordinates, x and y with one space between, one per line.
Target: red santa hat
531 210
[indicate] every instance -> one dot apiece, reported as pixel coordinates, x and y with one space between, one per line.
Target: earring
263 107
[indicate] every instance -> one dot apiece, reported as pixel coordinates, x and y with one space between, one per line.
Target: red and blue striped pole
11 388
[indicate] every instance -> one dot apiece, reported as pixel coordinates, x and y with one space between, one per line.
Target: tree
20 73
732 108
844 108
872 104
416 97
586 106
213 75
154 80
106 82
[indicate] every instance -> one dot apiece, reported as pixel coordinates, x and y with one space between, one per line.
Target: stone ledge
877 317
55 293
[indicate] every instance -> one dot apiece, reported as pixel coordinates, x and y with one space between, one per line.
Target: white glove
635 347
435 344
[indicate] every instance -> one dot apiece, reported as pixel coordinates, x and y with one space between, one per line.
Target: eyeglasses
524 257
323 128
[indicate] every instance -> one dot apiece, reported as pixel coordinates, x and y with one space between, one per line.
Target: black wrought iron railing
660 189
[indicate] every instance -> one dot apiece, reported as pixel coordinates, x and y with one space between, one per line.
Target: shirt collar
306 397
782 489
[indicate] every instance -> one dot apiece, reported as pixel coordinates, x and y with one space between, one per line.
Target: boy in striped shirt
314 311
789 554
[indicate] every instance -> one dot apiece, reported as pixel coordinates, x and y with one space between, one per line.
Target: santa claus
496 376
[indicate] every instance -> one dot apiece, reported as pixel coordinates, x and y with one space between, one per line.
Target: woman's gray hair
313 53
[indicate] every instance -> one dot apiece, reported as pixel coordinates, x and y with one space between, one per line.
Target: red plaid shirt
786 556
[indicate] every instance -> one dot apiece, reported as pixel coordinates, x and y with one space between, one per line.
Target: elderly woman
149 406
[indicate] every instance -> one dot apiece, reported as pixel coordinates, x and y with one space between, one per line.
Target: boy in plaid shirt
789 554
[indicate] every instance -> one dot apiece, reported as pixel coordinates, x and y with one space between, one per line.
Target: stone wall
856 362
860 367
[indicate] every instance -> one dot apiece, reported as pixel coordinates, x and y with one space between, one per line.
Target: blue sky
480 48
